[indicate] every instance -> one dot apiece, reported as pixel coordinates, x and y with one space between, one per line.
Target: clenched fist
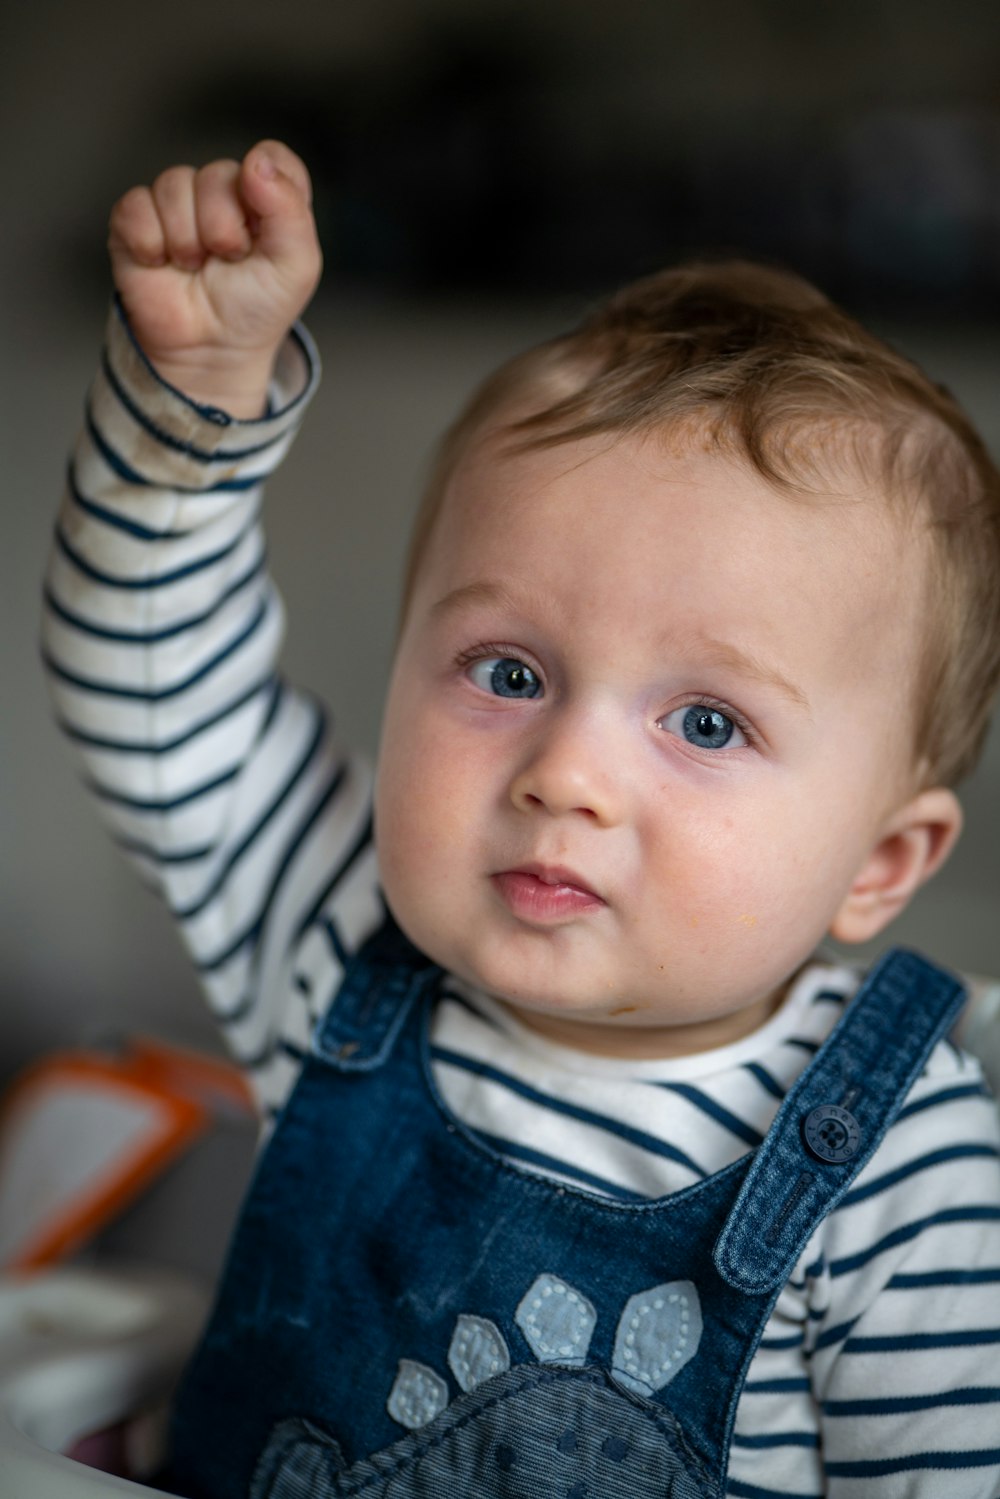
213 266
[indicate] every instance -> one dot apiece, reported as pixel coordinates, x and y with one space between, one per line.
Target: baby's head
701 624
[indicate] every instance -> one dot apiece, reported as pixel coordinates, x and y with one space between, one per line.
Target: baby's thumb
275 188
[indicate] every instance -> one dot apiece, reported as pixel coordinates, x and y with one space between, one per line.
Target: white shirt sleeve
162 628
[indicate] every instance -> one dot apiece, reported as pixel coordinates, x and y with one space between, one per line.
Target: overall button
831 1134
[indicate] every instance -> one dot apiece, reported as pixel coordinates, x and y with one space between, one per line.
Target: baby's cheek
419 835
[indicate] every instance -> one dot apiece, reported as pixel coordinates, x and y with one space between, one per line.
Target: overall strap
383 982
834 1117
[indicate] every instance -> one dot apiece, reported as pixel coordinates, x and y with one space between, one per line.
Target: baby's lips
555 874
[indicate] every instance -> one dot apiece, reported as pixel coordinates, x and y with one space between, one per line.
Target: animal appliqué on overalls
556 1429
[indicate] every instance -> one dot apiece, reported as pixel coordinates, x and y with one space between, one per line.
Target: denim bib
407 1315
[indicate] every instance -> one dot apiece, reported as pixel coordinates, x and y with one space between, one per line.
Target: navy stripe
902 1405
742 1490
113 519
361 842
779 1439
768 1083
715 1111
946 1095
161 694
915 1462
914 1167
512 1150
243 1007
142 804
131 475
253 931
943 1278
139 747
153 637
176 856
916 1342
794 1340
829 996
970 1214
801 1044
328 926
604 1122
159 580
220 455
290 1049
831 1335
791 1386
285 791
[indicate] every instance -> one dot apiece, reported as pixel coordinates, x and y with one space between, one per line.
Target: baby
585 1179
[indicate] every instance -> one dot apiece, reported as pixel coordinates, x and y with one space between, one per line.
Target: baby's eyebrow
482 592
706 651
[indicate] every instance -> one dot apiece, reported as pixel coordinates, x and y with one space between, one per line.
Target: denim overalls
405 1315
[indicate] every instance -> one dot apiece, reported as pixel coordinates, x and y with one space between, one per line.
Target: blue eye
505 676
704 727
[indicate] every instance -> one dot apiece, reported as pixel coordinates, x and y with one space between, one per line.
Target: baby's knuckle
216 174
173 179
130 205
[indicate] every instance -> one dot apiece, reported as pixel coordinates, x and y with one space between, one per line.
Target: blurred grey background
484 169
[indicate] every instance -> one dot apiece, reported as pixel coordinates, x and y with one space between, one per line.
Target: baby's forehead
821 467
665 487
821 476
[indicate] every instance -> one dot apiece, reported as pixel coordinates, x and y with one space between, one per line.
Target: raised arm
162 628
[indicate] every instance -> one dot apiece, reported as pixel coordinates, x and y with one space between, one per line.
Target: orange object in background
83 1133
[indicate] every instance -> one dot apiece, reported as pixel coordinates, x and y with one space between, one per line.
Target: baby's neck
624 1034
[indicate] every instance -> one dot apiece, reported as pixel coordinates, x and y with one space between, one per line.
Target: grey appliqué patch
534 1430
477 1351
557 1321
418 1395
659 1331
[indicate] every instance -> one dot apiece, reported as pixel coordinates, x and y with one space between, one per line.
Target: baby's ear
913 845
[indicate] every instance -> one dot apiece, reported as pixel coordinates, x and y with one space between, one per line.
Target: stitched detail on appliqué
557 1321
418 1395
477 1351
658 1332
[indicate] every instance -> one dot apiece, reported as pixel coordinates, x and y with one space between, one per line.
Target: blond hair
759 361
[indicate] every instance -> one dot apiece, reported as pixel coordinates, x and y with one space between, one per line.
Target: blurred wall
482 171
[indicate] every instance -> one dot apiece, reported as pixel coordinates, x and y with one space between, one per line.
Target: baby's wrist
236 384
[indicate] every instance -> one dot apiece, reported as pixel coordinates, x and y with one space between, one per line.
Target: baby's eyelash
489 648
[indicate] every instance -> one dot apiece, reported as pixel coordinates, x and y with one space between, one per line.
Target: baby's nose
569 768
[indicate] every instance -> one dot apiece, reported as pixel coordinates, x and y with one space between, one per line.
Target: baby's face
646 722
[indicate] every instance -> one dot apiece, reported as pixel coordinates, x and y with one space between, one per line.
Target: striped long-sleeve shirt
879 1372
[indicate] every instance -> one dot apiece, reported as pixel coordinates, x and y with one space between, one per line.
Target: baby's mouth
545 892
